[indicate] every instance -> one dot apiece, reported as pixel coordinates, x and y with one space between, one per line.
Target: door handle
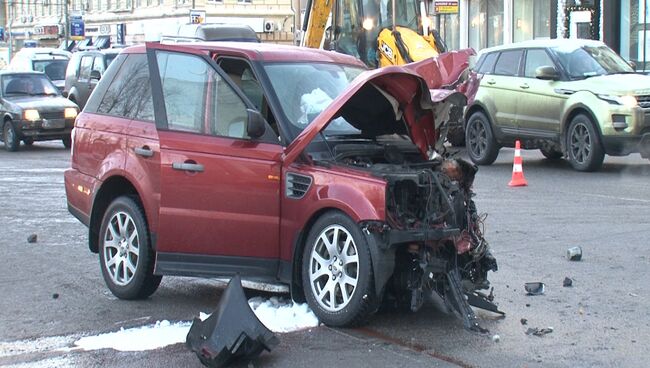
524 86
143 151
491 82
187 166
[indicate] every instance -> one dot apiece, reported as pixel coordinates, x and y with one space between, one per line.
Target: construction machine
386 32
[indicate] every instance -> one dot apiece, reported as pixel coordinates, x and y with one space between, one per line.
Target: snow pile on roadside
150 337
283 315
277 314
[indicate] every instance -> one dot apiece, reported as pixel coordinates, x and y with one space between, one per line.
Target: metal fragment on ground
539 331
574 253
32 238
567 282
534 288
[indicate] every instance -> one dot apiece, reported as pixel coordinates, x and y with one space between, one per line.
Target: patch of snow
12 348
282 314
58 362
161 334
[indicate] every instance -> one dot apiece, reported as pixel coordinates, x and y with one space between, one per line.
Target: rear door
219 189
503 85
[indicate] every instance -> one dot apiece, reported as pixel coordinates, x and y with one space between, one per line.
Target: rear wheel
585 152
10 137
481 145
125 253
337 272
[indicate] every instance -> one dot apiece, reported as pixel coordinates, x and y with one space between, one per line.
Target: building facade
43 22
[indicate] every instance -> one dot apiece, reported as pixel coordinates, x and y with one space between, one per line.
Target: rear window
55 69
508 63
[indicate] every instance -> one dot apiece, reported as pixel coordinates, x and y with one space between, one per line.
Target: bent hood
374 103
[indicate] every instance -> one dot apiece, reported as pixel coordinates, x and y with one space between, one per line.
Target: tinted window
534 59
488 63
508 63
129 94
197 99
55 69
86 66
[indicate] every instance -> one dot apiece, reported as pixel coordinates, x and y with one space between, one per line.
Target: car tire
482 148
125 254
28 141
551 154
67 142
337 272
584 151
10 137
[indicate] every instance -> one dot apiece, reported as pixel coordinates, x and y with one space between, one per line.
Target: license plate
53 124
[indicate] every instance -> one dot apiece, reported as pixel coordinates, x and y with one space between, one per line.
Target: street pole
9 21
67 24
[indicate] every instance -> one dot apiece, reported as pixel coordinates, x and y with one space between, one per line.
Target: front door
219 189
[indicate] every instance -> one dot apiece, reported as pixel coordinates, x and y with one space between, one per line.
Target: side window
98 64
508 63
488 63
129 94
86 66
198 99
534 59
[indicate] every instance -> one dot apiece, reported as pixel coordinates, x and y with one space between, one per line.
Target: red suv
281 164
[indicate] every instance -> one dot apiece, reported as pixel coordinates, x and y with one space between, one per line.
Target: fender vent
297 185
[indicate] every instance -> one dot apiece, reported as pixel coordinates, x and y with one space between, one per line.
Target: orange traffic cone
518 179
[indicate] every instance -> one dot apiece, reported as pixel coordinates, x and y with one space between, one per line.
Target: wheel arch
111 188
569 116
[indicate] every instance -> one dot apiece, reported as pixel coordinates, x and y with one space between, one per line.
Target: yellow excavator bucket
404 46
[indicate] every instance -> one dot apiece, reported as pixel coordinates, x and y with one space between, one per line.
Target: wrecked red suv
281 164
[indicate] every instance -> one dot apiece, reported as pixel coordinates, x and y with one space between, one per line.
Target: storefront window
531 19
485 23
635 32
449 28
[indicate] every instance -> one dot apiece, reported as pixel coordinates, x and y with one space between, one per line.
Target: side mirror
95 75
546 73
255 126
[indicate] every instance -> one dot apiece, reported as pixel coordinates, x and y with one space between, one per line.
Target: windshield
55 69
306 89
589 61
406 14
25 84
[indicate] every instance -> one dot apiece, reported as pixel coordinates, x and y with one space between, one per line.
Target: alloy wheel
334 268
580 143
121 248
478 139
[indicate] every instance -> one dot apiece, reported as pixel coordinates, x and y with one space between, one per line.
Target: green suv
568 98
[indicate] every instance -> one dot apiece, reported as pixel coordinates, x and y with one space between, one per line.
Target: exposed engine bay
433 227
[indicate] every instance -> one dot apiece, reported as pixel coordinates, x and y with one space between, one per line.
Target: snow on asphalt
277 314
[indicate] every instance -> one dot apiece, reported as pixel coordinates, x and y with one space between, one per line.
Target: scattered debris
539 331
581 311
567 282
32 238
574 254
232 333
634 295
534 288
527 305
496 338
523 321
55 296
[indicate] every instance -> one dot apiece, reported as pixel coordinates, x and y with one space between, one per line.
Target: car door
540 104
503 85
219 189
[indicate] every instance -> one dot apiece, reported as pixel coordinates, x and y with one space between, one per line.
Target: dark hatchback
33 109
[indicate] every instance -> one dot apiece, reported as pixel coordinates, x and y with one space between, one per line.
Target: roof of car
10 72
556 42
264 52
49 52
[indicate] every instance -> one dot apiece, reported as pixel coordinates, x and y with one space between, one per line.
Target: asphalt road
53 293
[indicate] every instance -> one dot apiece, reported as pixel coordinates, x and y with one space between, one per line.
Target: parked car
281 164
210 32
33 109
84 71
53 62
569 98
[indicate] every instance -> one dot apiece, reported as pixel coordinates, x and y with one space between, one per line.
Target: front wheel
585 152
482 148
10 137
67 141
125 253
337 272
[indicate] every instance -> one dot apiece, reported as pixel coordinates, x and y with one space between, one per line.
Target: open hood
375 103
